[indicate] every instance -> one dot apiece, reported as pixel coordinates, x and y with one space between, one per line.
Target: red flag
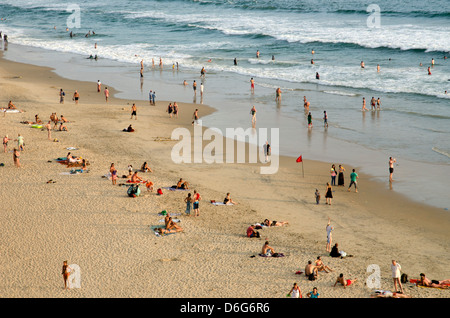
299 159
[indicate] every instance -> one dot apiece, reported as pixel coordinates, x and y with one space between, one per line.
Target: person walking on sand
49 130
76 97
61 96
16 158
353 177
106 94
328 194
396 268
391 168
20 142
5 143
195 116
329 229
295 292
253 113
133 111
99 86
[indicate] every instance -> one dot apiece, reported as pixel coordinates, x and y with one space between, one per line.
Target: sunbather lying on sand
388 294
163 231
267 222
423 281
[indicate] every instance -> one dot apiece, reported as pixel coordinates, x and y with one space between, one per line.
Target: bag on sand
159 192
404 278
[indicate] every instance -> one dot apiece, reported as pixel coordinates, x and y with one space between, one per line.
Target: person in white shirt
396 268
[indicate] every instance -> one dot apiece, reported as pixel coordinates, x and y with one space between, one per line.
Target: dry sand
86 220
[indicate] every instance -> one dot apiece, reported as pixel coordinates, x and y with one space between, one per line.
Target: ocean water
413 125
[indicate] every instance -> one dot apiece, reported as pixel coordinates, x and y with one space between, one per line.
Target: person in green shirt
353 177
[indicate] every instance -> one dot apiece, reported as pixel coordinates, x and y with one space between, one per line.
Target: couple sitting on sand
312 271
170 227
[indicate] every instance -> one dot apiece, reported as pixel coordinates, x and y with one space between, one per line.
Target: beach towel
71 148
154 227
11 111
129 181
273 255
174 220
174 189
220 203
415 281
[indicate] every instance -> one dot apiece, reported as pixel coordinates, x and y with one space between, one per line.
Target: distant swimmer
185 83
432 62
312 61
95 46
202 72
273 57
420 64
362 64
71 34
317 75
378 68
257 54
312 52
364 105
160 62
252 85
278 94
429 70
209 61
235 61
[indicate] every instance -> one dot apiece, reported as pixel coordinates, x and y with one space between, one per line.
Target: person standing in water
309 120
252 85
253 112
106 94
364 105
391 168
278 94
99 86
325 118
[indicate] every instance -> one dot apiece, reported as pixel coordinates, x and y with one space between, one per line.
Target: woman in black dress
329 194
341 176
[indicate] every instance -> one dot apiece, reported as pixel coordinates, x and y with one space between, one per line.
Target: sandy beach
84 219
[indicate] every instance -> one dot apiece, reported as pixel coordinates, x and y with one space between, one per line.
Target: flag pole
303 172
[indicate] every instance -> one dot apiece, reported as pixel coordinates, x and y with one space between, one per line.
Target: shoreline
276 197
320 145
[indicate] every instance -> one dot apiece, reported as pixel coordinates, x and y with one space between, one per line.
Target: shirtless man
378 68
63 127
63 119
364 104
11 105
49 130
391 167
135 177
194 87
267 248
76 97
257 54
433 283
362 64
195 117
311 271
344 282
379 103
372 103
133 111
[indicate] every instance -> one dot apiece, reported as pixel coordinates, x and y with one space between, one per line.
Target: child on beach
317 194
